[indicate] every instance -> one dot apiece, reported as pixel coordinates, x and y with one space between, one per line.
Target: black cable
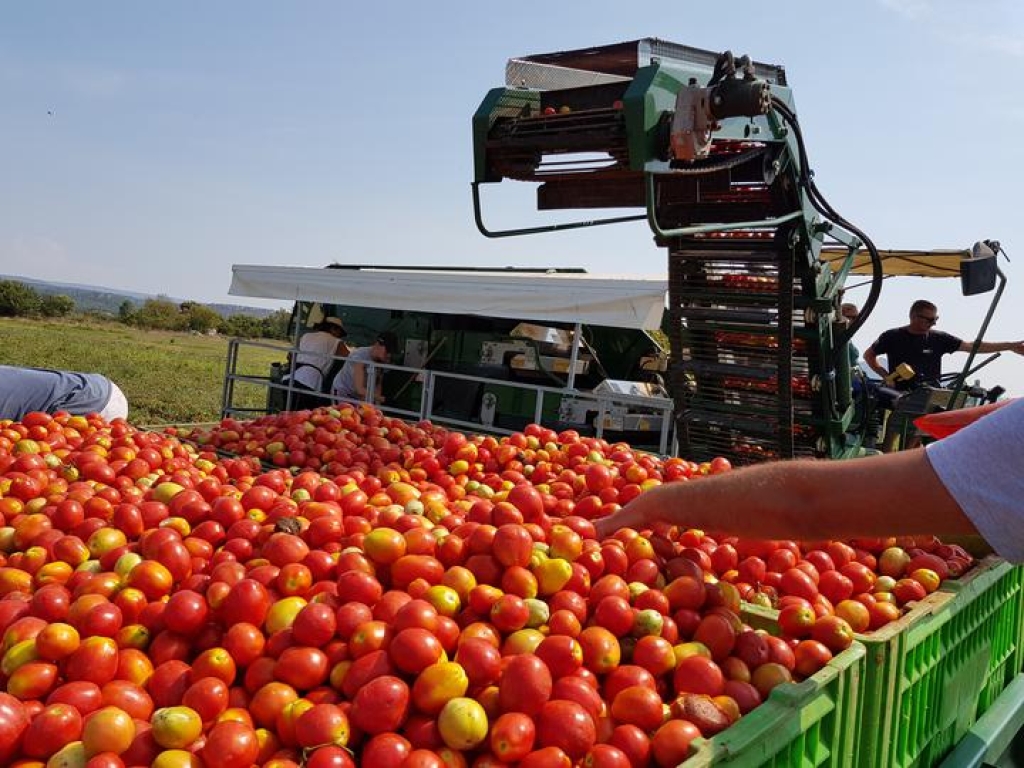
825 209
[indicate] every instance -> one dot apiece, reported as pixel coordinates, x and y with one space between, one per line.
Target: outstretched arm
994 346
891 495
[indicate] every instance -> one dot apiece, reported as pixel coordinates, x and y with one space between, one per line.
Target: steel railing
605 405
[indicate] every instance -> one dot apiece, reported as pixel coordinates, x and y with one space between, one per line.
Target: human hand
623 518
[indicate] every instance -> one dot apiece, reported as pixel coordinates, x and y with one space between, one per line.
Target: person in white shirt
350 385
317 350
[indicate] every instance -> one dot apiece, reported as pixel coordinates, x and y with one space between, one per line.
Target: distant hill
89 298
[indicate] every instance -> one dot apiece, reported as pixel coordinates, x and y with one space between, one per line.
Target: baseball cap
387 340
336 321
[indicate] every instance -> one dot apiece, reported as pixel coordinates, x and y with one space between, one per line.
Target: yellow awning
942 263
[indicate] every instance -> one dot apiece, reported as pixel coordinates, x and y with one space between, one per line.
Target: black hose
825 209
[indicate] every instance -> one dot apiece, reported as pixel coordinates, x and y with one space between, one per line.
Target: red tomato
634 742
796 620
302 667
215 662
513 545
186 612
833 632
244 642
796 581
314 625
105 760
698 674
248 601
766 677
387 750
624 677
835 586
269 700
208 696
51 729
568 726
364 669
512 736
605 756
717 633
108 729
638 705
780 652
810 657
746 696
577 688
546 757
414 649
84 696
323 724
329 757
525 685
129 697
601 650
230 744
562 655
481 661
614 614
671 742
528 500
380 705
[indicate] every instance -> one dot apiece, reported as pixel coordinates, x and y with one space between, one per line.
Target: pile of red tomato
392 595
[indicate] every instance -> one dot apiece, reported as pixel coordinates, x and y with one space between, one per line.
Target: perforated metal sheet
521 73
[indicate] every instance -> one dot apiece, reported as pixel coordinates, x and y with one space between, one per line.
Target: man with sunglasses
921 347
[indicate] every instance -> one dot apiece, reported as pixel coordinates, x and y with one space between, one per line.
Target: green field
168 378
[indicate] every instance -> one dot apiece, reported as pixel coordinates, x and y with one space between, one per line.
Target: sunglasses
927 319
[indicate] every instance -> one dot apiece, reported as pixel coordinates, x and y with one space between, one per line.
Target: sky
149 147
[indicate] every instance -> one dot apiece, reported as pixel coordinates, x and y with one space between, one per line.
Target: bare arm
871 358
359 379
994 346
891 495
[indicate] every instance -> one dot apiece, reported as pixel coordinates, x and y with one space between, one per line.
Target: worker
317 351
921 348
966 484
24 390
350 384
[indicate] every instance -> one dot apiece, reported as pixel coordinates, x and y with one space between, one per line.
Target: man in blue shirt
24 390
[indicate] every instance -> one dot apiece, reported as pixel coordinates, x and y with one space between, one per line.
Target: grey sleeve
982 467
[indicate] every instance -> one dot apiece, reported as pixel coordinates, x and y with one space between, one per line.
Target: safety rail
282 392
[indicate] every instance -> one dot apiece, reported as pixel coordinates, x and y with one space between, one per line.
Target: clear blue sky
151 146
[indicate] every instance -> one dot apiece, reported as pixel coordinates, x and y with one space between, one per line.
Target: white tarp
567 298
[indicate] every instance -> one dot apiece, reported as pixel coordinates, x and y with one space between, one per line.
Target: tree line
20 300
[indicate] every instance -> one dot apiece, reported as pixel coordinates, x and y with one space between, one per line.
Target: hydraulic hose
825 209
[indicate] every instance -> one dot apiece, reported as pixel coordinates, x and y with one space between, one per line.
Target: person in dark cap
317 350
351 382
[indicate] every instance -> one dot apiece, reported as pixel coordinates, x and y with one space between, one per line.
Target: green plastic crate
995 740
811 723
930 675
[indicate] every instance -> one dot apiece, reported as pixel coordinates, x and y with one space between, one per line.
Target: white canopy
551 297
